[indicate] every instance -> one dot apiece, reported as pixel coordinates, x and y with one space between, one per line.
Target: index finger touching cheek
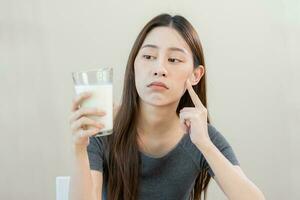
197 102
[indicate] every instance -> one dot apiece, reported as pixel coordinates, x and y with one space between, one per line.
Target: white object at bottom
62 187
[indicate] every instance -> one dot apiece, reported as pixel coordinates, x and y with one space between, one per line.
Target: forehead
166 37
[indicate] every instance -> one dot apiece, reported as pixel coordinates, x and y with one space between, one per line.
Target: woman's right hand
81 126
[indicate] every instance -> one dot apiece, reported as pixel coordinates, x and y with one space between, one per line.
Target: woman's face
163 57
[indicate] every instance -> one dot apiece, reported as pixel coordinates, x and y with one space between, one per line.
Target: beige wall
250 49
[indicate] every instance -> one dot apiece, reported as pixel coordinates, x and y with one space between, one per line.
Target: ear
197 75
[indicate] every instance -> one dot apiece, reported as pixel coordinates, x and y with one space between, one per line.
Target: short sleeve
96 153
224 147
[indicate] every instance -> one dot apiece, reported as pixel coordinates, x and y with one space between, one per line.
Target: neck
158 121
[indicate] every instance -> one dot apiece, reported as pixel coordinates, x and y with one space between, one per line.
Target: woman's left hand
194 119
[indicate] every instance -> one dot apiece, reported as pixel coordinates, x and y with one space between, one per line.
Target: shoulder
212 131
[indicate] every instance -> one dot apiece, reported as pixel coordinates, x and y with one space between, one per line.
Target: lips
157 83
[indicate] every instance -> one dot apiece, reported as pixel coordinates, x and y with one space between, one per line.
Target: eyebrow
170 48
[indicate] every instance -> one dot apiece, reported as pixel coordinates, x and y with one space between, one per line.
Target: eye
148 57
174 60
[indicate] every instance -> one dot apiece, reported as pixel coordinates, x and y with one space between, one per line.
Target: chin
158 101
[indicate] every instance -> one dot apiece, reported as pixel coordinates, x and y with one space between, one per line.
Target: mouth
158 85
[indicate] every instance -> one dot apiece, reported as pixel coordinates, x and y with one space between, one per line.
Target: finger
78 100
84 121
195 113
194 110
185 122
197 102
184 126
86 111
87 133
189 109
189 116
94 132
185 116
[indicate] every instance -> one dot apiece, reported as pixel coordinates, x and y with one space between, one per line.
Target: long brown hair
122 168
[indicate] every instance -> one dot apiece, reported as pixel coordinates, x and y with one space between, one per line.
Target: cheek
181 79
139 68
140 80
137 71
179 82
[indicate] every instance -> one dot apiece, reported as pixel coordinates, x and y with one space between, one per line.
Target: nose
160 70
159 74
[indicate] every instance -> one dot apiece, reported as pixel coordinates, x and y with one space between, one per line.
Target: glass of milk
99 83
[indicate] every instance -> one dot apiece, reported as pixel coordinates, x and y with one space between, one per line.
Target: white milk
102 98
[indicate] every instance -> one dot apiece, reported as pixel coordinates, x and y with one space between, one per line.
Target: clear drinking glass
100 83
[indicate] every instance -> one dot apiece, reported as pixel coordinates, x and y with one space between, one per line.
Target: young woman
163 146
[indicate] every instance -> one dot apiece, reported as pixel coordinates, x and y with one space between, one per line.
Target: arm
230 178
84 183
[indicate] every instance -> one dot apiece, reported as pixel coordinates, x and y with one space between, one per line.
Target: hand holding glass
99 83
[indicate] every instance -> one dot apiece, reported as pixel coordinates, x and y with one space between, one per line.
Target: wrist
79 149
206 147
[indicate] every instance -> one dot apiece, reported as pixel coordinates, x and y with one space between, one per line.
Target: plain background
252 67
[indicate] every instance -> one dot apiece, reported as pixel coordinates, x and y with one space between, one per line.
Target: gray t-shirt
171 176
